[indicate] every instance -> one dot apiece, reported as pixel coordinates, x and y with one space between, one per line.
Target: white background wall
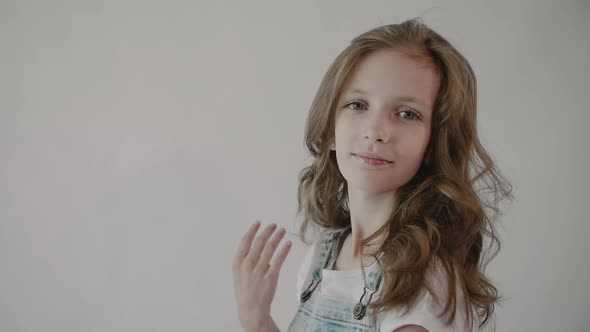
139 139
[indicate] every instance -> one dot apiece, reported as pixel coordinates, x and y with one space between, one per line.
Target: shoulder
312 256
321 241
426 314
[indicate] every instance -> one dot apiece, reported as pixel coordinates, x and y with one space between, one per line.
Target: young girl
401 220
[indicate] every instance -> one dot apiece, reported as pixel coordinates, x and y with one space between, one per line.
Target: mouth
372 161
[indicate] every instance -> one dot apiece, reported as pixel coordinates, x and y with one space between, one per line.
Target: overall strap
327 243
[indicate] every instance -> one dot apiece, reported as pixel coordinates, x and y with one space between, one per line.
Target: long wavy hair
446 210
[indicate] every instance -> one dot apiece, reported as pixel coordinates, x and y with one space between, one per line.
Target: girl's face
385 109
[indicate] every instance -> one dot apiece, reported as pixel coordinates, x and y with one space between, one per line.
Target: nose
377 129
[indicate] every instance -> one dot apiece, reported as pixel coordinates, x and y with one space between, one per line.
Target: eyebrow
402 98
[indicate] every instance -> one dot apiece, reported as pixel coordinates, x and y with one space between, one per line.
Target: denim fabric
323 313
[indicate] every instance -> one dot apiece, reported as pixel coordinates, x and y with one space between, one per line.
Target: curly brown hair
446 210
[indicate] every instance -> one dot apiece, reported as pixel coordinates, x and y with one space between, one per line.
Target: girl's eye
414 115
354 103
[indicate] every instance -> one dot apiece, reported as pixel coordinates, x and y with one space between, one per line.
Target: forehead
392 75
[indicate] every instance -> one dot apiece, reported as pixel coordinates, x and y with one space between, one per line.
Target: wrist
270 326
263 325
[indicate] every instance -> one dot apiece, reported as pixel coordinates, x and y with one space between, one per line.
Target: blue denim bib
317 312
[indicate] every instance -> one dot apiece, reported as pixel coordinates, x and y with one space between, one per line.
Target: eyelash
417 116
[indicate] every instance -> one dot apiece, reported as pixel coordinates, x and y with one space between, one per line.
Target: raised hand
255 278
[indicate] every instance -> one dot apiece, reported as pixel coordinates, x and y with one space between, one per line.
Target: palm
255 279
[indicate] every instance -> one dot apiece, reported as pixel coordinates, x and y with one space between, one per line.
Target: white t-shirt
348 286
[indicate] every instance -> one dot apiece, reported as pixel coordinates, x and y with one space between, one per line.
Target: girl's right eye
354 103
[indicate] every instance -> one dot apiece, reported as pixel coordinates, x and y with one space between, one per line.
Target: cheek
415 149
343 132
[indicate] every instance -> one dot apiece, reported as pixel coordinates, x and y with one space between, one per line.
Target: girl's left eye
415 115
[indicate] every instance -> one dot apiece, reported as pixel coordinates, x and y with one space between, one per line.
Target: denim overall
317 312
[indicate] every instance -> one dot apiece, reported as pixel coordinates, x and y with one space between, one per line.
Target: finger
246 241
269 249
259 243
276 265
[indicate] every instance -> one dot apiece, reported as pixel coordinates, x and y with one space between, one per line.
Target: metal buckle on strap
307 293
360 309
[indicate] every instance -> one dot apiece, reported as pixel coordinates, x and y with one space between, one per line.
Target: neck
368 213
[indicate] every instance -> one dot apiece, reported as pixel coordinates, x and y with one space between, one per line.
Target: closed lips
371 156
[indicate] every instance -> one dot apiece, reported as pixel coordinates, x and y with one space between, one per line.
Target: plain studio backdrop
140 139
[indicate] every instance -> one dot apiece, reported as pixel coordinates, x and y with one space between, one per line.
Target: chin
371 187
